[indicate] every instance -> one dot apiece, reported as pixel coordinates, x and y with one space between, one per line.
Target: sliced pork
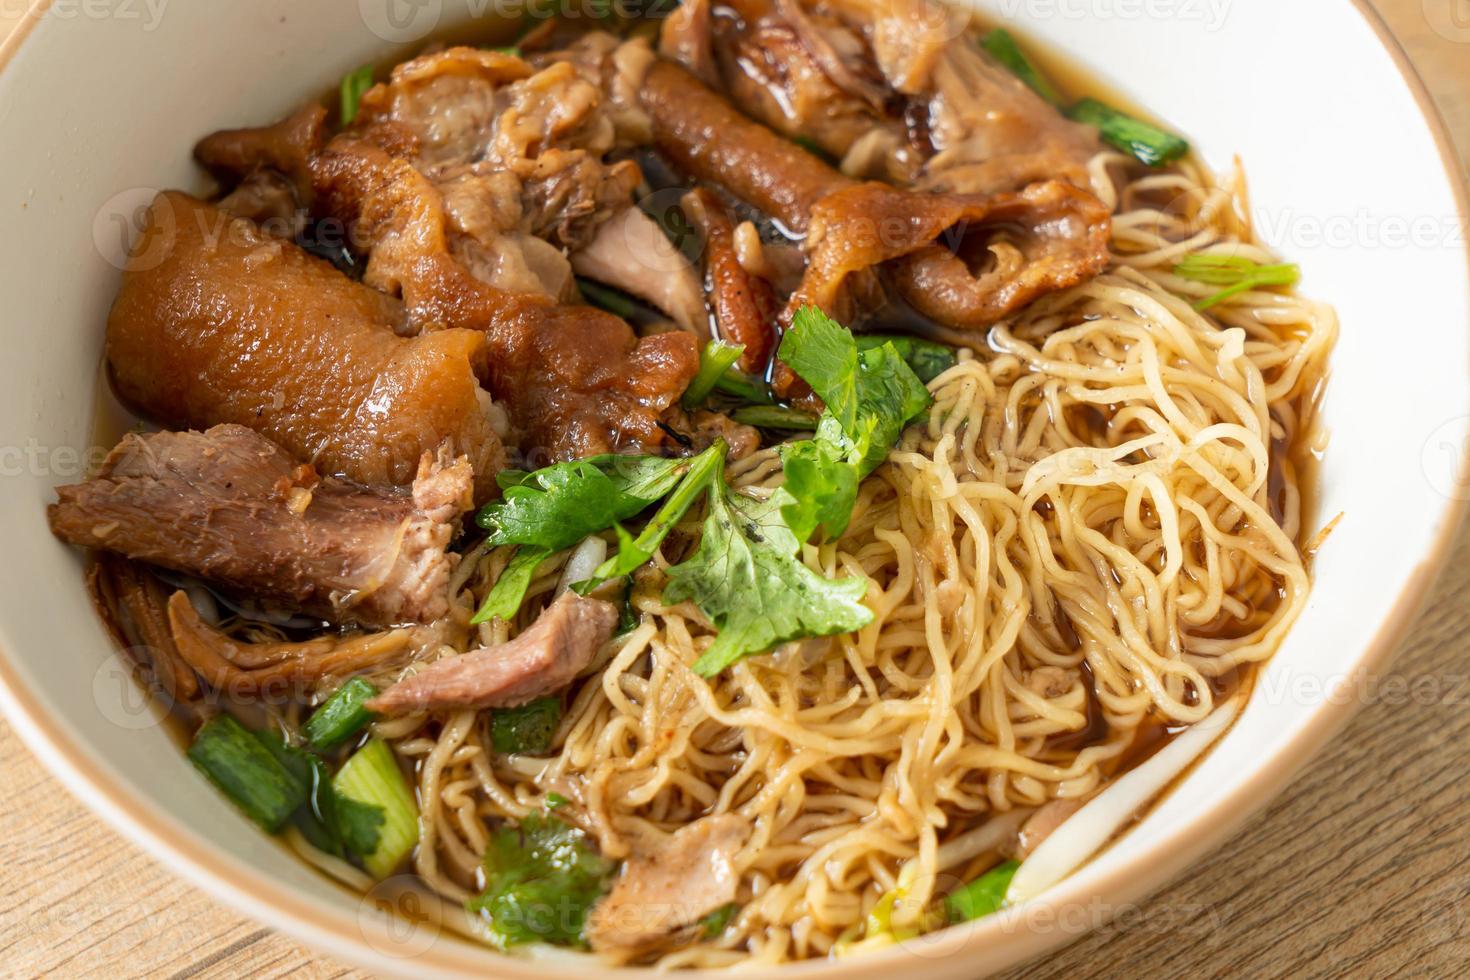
544 658
672 884
632 253
232 508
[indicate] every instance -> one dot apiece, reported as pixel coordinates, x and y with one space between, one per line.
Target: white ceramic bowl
1351 176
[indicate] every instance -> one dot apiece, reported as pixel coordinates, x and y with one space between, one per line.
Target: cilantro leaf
541 878
558 506
357 824
746 579
509 591
820 489
871 393
528 728
890 396
928 358
633 552
823 353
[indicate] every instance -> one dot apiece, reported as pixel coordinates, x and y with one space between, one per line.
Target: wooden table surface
1361 868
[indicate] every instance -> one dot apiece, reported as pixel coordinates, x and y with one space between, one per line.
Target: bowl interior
98 112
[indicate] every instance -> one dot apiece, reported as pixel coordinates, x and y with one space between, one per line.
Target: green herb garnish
717 921
927 359
716 359
775 417
541 879
526 729
707 467
556 507
509 591
746 578
984 895
871 395
341 716
1147 142
1236 273
354 86
371 779
1001 45
614 301
247 772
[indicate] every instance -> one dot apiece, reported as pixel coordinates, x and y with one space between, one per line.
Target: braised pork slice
281 148
671 884
805 72
966 260
232 508
575 380
218 322
706 137
894 89
544 658
632 253
744 304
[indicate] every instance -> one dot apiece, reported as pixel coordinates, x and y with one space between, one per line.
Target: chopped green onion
526 729
718 357
1236 273
1001 45
354 86
1150 144
984 895
247 772
745 388
511 50
614 301
775 417
555 801
717 921
372 777
509 591
341 716
926 358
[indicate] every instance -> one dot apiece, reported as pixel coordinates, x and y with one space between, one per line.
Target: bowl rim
272 902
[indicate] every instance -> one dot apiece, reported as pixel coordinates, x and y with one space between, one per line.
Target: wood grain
1362 868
